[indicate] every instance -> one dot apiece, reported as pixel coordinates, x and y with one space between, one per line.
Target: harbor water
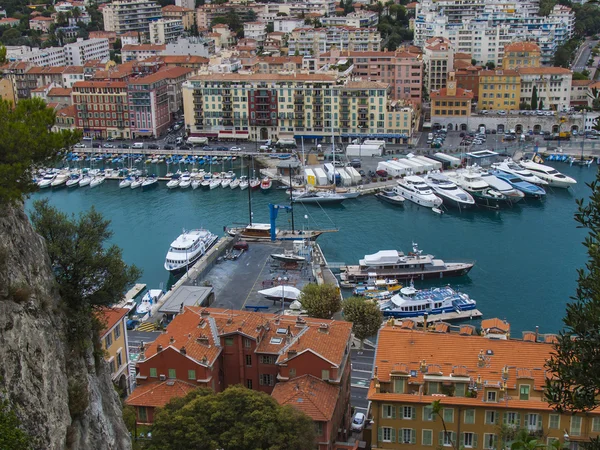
526 256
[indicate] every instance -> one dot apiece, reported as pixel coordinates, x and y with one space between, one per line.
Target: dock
132 294
446 317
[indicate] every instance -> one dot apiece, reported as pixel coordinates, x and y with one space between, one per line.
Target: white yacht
97 181
85 181
74 180
196 184
509 166
60 180
320 197
125 183
549 174
174 182
187 248
47 180
243 182
514 195
483 194
415 189
225 182
448 191
235 183
136 183
214 183
185 181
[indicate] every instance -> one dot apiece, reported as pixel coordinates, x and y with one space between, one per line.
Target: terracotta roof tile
460 92
495 324
314 397
69 111
143 48
581 82
174 8
59 92
265 77
110 316
522 47
159 393
543 71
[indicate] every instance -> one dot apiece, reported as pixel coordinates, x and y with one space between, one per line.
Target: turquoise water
526 256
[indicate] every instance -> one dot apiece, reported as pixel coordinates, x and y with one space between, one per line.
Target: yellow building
116 346
187 16
7 91
451 106
499 90
489 388
521 54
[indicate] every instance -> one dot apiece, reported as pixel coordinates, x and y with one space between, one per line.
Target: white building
287 24
552 85
163 31
51 56
197 46
141 51
122 16
314 41
255 30
438 59
77 53
187 4
358 19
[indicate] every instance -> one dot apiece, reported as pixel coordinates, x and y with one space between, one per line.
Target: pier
131 294
445 317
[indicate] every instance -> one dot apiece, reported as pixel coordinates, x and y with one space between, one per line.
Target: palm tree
76 13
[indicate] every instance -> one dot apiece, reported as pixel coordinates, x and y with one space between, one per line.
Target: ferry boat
188 248
411 302
387 264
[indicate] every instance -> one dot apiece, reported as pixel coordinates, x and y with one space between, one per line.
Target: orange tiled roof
69 111
495 324
522 47
412 5
265 77
143 47
111 316
460 93
174 8
314 397
159 393
543 71
581 82
59 92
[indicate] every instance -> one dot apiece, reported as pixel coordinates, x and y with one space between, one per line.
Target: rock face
38 370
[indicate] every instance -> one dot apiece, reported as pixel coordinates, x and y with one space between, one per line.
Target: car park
358 421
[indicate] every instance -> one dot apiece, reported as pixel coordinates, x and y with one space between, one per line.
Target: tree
2 54
573 382
438 410
89 273
541 104
270 28
76 13
237 418
365 316
320 301
490 65
581 75
12 437
534 98
118 44
27 144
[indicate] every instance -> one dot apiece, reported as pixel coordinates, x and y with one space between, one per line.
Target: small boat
225 182
150 298
85 181
136 183
174 182
188 248
47 180
283 292
243 182
549 174
528 189
214 183
60 180
437 211
266 184
97 181
74 181
390 197
125 182
235 184
415 189
196 184
185 181
149 183
254 183
288 257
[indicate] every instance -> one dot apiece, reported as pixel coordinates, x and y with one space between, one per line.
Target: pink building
149 105
402 70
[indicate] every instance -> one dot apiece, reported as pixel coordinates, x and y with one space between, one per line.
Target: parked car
96 145
235 149
124 146
362 173
381 173
87 138
169 147
355 163
240 245
358 421
184 147
132 324
79 145
107 145
222 149
153 146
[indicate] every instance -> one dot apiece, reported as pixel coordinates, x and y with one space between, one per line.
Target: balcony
298 115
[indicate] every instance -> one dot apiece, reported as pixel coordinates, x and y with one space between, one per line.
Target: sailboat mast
291 198
332 139
249 194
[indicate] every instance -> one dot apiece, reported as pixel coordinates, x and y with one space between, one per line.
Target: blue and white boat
411 302
527 188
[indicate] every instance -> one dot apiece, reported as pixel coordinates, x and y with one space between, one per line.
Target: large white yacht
448 191
549 174
415 189
483 194
509 166
514 195
187 248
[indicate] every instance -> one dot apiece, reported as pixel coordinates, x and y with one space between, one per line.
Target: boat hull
431 313
191 261
395 200
453 202
451 270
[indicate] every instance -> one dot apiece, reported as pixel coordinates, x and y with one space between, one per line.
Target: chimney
171 340
324 328
425 315
481 359
159 348
204 313
202 339
537 333
182 350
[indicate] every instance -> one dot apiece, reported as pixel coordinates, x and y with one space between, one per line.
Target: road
582 55
362 370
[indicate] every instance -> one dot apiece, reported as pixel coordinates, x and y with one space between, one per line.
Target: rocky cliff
63 399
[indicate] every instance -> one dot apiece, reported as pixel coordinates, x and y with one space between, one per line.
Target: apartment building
216 348
552 85
198 46
187 16
287 24
51 56
141 51
149 111
226 37
116 346
438 58
7 90
122 16
16 72
468 78
581 94
65 119
41 23
110 35
357 19
521 54
187 4
164 31
278 64
205 14
272 106
77 53
484 384
451 106
402 70
499 90
9 22
102 109
256 31
314 41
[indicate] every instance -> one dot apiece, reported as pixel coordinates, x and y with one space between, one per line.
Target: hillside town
173 77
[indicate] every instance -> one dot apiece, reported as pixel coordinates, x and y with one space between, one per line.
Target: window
398 385
596 424
469 416
325 374
292 372
247 343
575 426
229 341
172 373
119 359
449 415
249 360
512 418
118 332
428 414
112 366
153 372
459 389
266 379
387 434
249 384
468 440
108 341
408 436
491 396
490 417
388 411
142 414
447 438
267 359
408 412
427 437
489 441
524 392
318 428
433 387
191 374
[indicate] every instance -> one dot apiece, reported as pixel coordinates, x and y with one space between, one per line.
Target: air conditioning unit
163 377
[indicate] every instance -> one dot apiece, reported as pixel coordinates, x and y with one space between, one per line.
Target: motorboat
47 180
149 183
483 194
125 183
74 180
509 166
549 174
411 302
415 189
254 183
378 288
150 298
262 232
288 257
394 264
502 186
60 180
215 183
234 183
283 292
390 197
188 248
320 197
225 182
136 183
97 181
243 182
448 191
85 181
266 184
196 184
185 181
528 189
174 181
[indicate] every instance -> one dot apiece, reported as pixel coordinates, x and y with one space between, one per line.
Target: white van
264 148
138 145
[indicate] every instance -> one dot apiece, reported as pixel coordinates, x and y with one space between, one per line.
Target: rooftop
522 47
111 316
460 93
265 77
144 48
543 71
59 92
314 397
159 393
